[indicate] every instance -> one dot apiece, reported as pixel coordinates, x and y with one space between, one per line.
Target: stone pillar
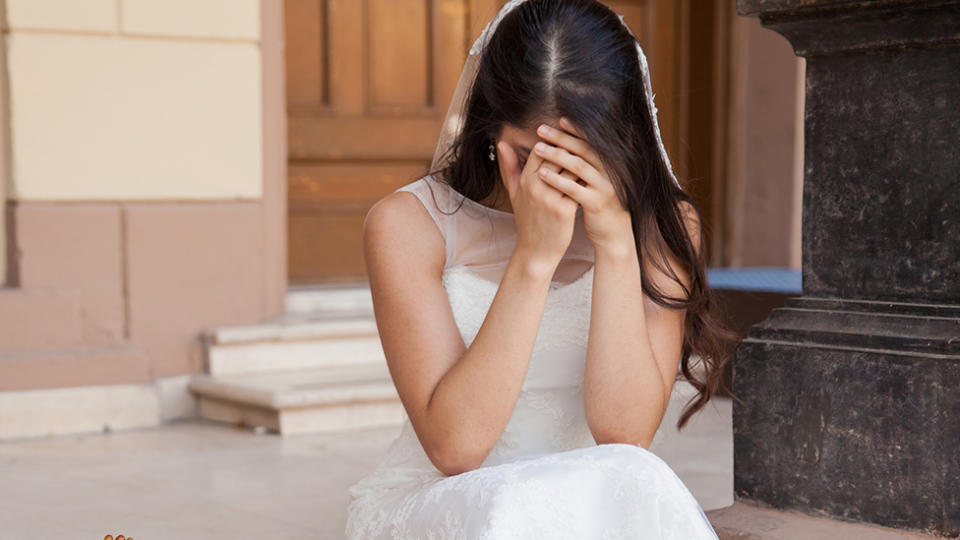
851 391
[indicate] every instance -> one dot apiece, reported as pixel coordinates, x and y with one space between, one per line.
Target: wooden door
368 83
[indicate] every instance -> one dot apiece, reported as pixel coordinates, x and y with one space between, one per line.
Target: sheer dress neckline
482 239
485 207
556 287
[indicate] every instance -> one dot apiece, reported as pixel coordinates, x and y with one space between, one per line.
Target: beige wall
135 99
766 149
4 145
147 183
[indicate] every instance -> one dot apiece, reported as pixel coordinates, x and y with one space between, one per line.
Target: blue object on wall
760 278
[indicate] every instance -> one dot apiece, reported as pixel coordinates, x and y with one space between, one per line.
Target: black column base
852 409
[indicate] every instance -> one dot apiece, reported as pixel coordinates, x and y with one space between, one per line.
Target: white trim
334 300
91 409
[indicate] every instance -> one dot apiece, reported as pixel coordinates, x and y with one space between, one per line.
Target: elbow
451 458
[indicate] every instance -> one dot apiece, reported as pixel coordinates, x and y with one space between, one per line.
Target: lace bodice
549 415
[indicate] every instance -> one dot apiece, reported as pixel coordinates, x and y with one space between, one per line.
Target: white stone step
331 398
293 341
336 299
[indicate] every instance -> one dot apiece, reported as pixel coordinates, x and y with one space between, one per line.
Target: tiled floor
197 479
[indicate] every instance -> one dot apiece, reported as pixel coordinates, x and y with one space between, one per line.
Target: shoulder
393 208
408 205
691 220
399 226
662 264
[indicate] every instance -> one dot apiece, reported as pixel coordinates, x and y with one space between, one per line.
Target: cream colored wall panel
99 117
83 15
239 19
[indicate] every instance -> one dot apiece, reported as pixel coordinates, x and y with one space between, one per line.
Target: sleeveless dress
545 478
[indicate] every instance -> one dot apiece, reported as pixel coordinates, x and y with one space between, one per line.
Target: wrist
618 252
532 266
619 243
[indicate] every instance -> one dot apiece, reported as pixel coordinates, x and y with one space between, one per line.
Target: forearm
624 397
474 400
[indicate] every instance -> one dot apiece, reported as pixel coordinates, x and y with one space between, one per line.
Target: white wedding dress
546 478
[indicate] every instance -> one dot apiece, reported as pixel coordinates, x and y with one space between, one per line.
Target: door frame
274 203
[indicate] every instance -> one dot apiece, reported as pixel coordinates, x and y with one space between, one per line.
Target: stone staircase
317 368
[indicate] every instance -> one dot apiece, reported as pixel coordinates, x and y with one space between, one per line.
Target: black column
852 391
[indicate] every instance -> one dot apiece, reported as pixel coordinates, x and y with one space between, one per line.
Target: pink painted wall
765 160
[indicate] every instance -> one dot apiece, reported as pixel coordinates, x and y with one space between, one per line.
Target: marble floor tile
207 480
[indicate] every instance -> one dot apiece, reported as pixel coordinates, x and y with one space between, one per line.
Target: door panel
399 45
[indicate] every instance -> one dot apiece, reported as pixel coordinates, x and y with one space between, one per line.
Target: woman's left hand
607 222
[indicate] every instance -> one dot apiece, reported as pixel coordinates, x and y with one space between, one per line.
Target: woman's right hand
544 215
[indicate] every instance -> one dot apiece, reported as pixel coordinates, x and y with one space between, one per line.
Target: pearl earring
493 155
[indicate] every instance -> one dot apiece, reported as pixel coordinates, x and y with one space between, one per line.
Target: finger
572 176
575 143
534 163
546 166
567 174
566 183
594 158
571 162
543 163
568 124
550 165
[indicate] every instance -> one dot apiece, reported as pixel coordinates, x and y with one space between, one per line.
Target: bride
536 297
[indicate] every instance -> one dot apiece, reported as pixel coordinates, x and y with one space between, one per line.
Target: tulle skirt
602 492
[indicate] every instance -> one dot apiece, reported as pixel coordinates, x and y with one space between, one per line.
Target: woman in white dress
535 306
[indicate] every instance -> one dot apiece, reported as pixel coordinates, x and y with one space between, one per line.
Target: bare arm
634 345
458 399
473 401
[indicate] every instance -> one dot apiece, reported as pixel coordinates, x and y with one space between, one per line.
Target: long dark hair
574 58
